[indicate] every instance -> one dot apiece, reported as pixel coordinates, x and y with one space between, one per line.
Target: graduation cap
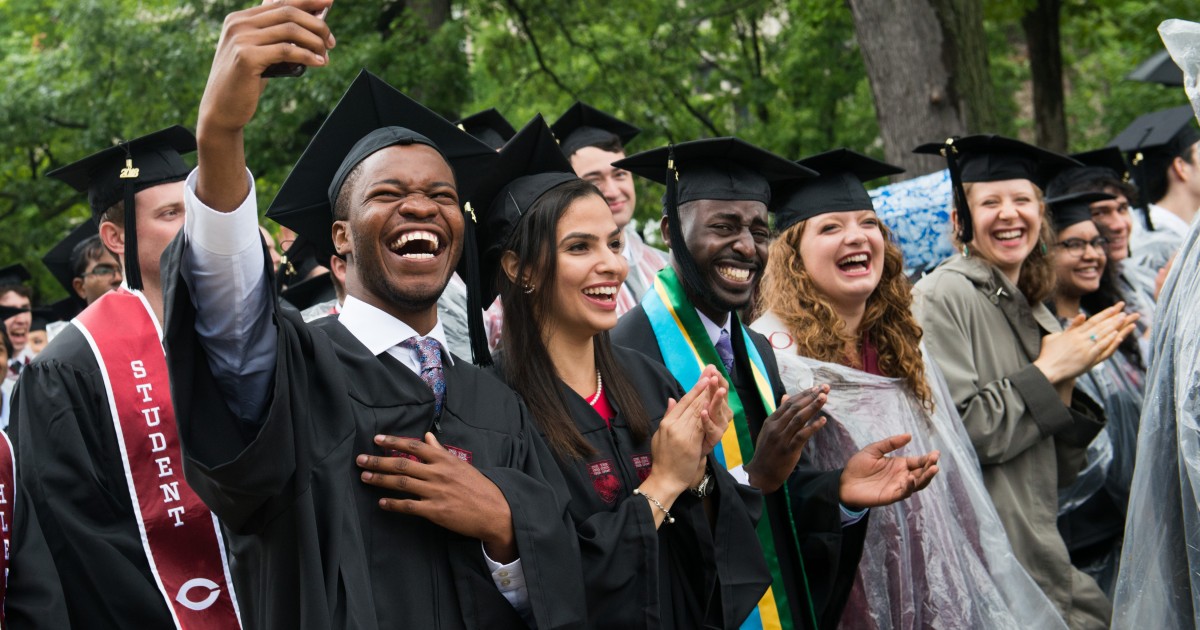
990 158
13 275
530 165
10 311
489 127
1068 210
1159 68
1101 167
1151 143
837 188
584 126
311 292
59 260
371 116
297 262
120 172
723 169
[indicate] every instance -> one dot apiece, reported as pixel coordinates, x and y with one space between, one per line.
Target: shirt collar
1165 219
714 329
379 331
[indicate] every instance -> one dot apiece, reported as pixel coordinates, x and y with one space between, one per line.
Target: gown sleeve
1004 417
34 596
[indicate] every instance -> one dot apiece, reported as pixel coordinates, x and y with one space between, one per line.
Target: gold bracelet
670 519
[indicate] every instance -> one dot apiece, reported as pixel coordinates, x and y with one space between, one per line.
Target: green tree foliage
786 74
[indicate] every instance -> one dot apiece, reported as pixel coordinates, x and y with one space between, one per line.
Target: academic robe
33 597
683 575
830 552
69 463
311 547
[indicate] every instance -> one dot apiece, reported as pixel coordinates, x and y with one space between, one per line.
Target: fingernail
361 459
379 439
366 476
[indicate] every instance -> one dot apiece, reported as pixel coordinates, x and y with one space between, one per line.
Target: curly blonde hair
818 331
1038 278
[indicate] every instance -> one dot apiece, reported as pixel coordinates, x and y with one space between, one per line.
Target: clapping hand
872 479
783 436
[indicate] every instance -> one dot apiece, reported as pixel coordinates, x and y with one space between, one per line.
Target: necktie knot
725 351
429 355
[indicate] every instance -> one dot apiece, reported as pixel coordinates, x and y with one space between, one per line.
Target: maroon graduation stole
180 535
8 499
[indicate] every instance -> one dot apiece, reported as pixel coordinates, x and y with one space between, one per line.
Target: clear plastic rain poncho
1159 582
939 559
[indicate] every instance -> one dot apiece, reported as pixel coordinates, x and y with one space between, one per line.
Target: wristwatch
707 484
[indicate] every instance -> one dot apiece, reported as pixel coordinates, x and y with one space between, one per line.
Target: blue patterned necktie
725 351
429 353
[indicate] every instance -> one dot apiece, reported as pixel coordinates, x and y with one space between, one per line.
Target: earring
529 288
1043 247
966 252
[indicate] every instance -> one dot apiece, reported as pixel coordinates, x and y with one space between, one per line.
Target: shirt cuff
851 517
510 581
740 475
221 233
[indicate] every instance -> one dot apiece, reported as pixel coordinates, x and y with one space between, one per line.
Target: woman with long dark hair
1009 365
1092 509
667 539
837 311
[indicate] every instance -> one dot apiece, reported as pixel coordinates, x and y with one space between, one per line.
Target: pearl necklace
599 390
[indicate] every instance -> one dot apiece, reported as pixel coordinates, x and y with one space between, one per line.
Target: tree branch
537 50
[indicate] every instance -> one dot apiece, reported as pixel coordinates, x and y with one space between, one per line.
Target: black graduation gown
311 547
683 575
34 596
830 552
69 464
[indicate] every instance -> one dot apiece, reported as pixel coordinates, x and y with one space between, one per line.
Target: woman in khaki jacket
1009 366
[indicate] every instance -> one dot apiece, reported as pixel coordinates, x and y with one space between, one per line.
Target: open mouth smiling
855 264
734 274
417 245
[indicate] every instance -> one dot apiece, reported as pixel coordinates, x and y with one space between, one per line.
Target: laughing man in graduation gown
715 224
479 539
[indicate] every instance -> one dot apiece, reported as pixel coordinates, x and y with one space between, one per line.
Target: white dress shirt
224 263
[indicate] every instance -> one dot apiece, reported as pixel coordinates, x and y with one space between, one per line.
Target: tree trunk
1041 25
927 64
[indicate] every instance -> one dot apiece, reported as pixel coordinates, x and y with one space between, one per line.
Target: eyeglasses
104 271
1075 246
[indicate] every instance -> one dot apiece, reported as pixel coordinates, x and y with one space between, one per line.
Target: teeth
605 291
1007 234
419 235
857 258
733 273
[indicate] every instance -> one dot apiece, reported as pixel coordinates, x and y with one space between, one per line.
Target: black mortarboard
119 172
989 158
1068 210
13 275
722 169
1159 68
311 292
530 165
63 310
10 311
1101 167
837 188
60 257
584 126
371 116
297 262
1151 142
489 127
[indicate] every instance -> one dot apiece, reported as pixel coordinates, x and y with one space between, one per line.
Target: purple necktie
725 351
429 353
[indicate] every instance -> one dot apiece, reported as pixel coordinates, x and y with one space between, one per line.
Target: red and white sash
8 500
180 535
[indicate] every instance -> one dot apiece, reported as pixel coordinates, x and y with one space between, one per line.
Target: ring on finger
1093 338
